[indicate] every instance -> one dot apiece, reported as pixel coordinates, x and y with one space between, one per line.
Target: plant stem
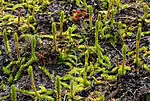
61 22
18 16
85 67
70 33
30 73
13 93
138 37
6 42
124 51
17 45
33 46
90 9
72 90
58 89
54 35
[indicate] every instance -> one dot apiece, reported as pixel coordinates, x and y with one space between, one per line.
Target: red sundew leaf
84 13
76 18
78 11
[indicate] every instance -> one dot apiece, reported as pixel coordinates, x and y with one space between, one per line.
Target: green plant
78 3
43 93
6 42
1 7
4 98
54 35
30 73
67 59
120 30
61 22
72 89
85 82
33 9
31 60
106 28
110 6
90 10
145 9
99 17
84 3
138 37
13 93
102 98
112 16
124 51
58 89
33 46
2 86
47 73
17 45
96 33
118 4
22 67
70 37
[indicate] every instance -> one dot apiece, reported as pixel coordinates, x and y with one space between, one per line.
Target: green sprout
32 59
111 5
120 29
70 33
30 73
58 89
118 3
124 51
84 3
17 45
13 93
6 42
96 33
54 35
90 10
47 73
138 37
72 89
85 82
33 10
145 12
99 17
61 22
112 16
78 2
1 7
33 46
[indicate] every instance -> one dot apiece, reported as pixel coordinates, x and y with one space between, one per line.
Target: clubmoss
61 22
30 73
6 42
13 93
138 37
90 10
54 35
124 51
58 89
17 45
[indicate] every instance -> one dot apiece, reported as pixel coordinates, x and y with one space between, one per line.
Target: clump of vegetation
74 50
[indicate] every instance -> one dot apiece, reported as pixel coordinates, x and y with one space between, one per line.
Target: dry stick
61 22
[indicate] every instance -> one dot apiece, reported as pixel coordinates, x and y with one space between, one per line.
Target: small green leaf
145 66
